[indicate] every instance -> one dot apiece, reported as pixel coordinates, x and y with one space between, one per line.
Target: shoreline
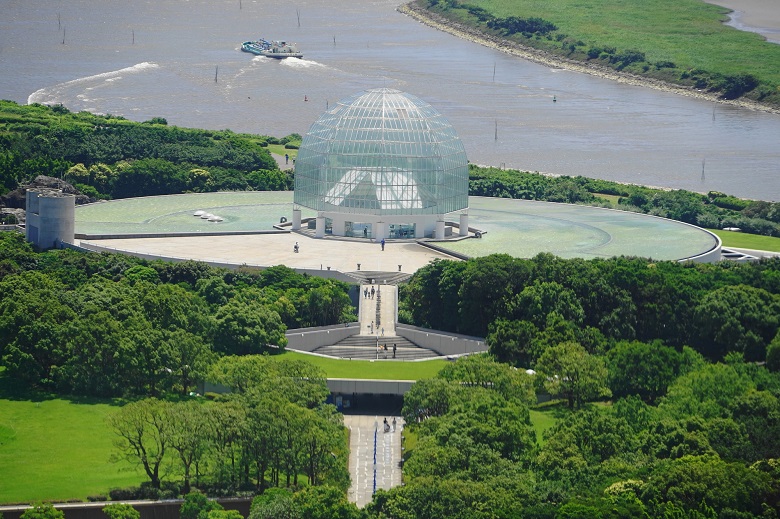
551 60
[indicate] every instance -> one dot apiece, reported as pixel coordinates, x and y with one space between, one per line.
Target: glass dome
382 152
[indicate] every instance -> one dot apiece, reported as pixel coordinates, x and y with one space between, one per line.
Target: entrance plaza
165 227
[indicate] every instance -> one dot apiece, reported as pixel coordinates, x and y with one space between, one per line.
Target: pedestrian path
378 310
374 456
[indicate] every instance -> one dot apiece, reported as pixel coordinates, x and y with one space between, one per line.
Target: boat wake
52 94
301 63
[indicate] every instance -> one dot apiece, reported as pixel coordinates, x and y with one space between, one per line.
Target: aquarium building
382 164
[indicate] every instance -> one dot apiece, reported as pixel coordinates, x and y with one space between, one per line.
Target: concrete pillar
338 227
380 230
320 230
439 229
464 224
296 223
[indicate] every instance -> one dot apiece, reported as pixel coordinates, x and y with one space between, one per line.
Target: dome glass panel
382 152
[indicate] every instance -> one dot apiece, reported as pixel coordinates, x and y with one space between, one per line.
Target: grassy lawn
366 369
612 199
544 418
686 32
56 449
279 149
747 241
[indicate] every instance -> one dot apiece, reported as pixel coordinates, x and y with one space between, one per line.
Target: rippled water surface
181 60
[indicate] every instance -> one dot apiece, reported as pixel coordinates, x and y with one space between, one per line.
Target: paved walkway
277 249
374 456
377 313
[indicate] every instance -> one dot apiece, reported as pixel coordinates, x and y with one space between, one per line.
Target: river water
180 59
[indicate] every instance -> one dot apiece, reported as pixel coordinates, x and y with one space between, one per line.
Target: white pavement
374 456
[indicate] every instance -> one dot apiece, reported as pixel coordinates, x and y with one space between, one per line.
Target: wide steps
366 353
379 277
364 347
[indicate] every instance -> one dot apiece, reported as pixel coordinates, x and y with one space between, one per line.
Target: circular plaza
167 227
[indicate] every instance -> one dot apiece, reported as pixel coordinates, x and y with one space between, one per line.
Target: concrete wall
711 256
148 509
129 236
344 386
309 339
442 342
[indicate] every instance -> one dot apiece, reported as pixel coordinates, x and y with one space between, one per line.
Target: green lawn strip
55 449
686 32
542 419
366 369
279 149
747 241
612 199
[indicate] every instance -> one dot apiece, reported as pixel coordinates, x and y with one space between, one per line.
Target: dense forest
667 374
111 157
664 378
108 157
112 325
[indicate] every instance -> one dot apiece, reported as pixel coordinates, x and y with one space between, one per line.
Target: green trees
738 318
43 511
567 370
121 511
109 325
322 502
242 328
112 157
641 369
272 429
143 435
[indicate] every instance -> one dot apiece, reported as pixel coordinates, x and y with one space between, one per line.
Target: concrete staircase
377 325
389 278
364 347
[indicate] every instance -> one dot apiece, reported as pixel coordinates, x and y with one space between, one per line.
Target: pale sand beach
762 16
757 9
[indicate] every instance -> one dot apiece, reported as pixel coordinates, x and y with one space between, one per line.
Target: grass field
56 449
747 241
59 449
686 32
366 369
279 149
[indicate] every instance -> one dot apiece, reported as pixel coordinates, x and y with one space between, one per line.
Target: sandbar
760 16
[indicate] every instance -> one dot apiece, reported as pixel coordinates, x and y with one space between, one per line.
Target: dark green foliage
641 369
43 511
523 306
138 159
197 506
121 511
111 325
514 25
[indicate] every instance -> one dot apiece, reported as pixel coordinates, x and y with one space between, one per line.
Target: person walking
383 244
372 292
393 350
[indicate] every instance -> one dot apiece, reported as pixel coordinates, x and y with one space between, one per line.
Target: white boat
271 49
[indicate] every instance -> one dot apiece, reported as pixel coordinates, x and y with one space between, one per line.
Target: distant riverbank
555 61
